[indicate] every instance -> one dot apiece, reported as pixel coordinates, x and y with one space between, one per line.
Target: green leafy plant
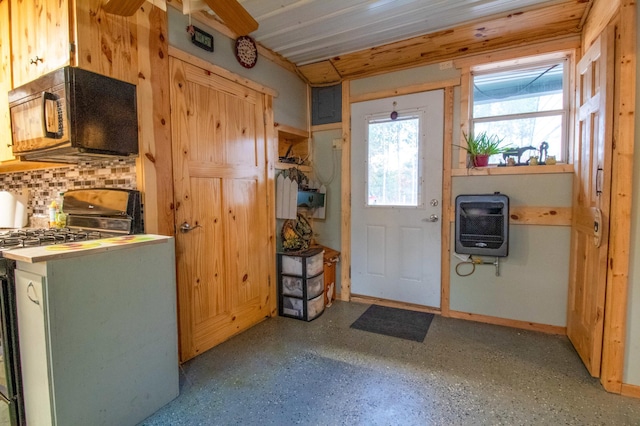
483 144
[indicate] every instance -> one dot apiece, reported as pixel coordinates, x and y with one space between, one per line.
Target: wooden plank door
220 179
591 202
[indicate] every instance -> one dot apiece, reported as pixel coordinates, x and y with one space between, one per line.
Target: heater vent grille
482 224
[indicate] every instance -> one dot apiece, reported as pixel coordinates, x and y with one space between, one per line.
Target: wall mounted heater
482 224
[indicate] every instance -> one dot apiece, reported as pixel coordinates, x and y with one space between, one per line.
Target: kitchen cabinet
98 333
5 82
47 35
33 338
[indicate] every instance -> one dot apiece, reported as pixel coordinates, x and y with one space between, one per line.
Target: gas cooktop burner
42 237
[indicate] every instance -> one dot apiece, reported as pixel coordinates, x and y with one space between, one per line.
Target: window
393 162
526 105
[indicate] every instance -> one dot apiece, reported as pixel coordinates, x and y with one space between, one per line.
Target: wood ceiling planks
502 31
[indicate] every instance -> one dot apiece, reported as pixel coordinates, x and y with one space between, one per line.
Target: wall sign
200 38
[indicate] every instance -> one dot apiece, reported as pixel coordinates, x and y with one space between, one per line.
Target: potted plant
482 146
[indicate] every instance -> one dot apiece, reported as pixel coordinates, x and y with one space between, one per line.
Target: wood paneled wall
489 34
155 177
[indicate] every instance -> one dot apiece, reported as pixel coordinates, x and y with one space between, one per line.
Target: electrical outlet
446 65
337 144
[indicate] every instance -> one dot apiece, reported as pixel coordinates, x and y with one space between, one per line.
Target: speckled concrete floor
284 371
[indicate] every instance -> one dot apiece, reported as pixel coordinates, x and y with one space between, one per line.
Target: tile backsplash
44 184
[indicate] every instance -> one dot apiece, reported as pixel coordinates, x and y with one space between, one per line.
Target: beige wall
533 281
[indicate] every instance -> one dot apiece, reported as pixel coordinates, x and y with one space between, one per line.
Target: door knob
432 218
186 227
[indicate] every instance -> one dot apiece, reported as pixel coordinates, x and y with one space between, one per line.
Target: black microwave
72 115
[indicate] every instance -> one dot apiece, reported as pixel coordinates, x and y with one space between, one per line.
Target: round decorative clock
246 51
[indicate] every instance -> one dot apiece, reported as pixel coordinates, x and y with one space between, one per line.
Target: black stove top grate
22 238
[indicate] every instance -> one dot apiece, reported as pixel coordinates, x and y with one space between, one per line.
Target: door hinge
349 271
72 47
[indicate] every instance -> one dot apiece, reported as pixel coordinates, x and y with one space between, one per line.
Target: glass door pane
393 163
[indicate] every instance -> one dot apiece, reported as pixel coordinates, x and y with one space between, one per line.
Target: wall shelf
516 170
283 166
294 143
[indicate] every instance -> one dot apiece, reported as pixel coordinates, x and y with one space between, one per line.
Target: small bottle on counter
57 218
53 208
61 218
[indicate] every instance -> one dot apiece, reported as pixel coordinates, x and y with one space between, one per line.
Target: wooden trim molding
481 36
215 69
445 252
528 215
21 166
271 141
632 391
407 90
345 194
532 215
524 325
519 170
325 127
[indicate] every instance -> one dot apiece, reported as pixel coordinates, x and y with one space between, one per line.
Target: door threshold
357 298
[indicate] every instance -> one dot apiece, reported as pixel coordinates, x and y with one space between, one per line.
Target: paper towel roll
21 218
7 209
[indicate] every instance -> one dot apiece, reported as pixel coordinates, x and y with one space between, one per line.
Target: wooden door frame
615 315
345 188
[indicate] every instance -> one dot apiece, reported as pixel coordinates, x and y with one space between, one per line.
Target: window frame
419 114
546 52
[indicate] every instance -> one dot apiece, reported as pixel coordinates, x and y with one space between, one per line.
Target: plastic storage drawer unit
301 284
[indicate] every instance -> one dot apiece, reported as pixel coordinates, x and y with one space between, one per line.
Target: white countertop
81 248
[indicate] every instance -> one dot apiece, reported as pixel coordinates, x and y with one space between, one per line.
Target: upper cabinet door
39 37
106 43
47 35
5 83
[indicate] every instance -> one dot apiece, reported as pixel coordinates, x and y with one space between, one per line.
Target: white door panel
396 248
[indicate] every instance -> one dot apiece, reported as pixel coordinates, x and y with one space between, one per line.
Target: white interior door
396 197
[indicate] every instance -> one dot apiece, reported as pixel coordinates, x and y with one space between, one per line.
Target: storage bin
292 264
293 286
315 307
301 284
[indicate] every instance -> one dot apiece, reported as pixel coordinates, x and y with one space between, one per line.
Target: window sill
515 170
